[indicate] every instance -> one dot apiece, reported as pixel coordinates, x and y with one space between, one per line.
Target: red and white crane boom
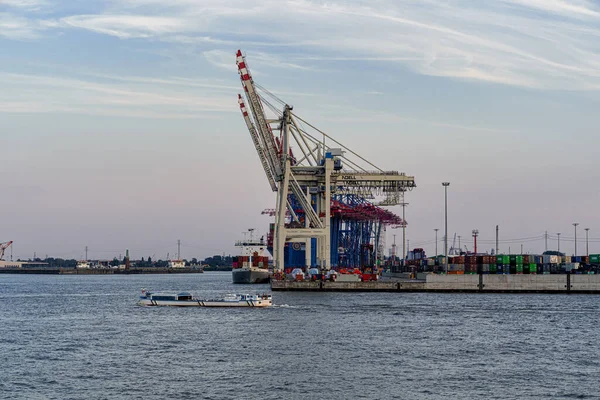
4 246
257 144
262 126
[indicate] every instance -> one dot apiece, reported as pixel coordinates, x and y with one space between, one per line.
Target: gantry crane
323 172
3 247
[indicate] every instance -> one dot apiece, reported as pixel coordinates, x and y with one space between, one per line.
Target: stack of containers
532 268
503 264
519 264
485 266
455 266
471 265
493 268
234 264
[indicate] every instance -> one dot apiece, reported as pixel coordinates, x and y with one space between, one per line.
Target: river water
84 337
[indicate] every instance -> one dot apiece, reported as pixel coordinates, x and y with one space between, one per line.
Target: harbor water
84 337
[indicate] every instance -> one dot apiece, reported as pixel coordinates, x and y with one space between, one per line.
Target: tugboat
252 266
185 299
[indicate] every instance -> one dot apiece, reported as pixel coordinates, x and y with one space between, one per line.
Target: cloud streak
137 97
505 42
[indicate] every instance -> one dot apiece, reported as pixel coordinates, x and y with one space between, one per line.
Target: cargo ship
252 265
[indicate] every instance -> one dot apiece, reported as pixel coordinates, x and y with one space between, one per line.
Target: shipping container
502 259
585 260
519 268
594 258
571 266
548 259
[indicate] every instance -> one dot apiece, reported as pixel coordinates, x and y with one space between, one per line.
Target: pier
473 283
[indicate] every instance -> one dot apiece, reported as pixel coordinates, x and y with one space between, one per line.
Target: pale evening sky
120 127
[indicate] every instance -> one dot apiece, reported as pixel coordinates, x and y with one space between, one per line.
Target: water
83 337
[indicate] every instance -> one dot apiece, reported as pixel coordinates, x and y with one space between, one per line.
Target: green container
595 258
519 268
532 268
519 259
501 259
493 268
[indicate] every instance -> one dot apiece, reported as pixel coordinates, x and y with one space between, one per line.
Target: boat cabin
169 296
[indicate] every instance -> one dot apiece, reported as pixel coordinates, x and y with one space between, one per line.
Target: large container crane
324 181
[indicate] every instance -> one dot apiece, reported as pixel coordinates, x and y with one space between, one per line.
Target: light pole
436 253
446 184
575 225
404 253
558 235
587 248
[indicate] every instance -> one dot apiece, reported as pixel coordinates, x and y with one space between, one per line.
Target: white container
551 259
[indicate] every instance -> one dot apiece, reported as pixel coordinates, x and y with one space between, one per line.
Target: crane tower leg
280 229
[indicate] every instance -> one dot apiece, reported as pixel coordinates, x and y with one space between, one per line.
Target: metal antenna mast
475 233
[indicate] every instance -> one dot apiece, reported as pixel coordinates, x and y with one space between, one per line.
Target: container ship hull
250 275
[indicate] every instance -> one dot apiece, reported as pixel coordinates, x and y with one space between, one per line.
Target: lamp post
404 253
587 248
436 230
446 184
575 225
558 235
394 252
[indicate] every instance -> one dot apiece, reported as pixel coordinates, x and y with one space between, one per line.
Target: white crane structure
306 181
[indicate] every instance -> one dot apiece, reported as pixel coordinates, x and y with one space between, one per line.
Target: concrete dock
476 283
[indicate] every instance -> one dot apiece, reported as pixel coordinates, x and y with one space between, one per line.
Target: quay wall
475 283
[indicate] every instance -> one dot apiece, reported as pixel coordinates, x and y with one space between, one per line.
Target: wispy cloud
29 5
25 93
505 42
542 44
16 27
126 26
570 8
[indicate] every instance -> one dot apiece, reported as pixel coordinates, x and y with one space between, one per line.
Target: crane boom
257 144
264 129
4 246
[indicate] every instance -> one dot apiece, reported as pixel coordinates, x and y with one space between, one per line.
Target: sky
120 128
